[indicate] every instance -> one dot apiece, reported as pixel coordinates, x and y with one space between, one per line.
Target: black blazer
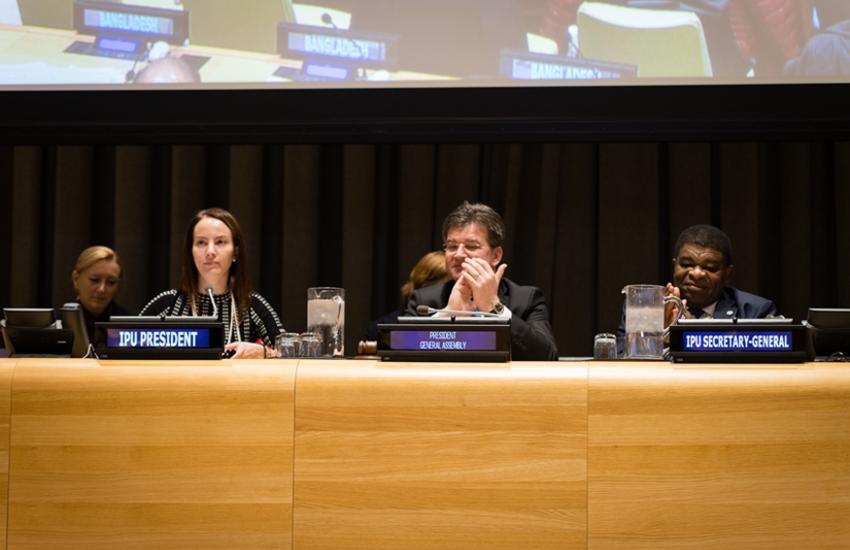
531 334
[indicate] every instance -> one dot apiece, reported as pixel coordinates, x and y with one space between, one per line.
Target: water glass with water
326 318
604 346
311 345
288 344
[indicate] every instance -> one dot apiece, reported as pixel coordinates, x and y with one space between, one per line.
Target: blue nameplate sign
762 340
432 340
180 338
517 65
158 338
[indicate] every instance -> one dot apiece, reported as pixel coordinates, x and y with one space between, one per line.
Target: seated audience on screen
702 271
429 270
445 37
826 54
472 237
214 261
740 34
96 277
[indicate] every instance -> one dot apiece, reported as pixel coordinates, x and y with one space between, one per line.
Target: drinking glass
604 346
326 318
288 344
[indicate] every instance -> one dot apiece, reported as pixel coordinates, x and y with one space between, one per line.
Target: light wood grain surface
145 455
719 457
444 456
6 369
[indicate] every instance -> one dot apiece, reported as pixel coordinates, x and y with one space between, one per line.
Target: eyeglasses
469 246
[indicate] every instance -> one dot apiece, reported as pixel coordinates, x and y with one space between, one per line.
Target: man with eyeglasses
702 269
472 237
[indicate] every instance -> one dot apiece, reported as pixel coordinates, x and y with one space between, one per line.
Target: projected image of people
742 38
445 37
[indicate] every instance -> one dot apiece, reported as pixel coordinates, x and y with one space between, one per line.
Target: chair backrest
237 25
662 43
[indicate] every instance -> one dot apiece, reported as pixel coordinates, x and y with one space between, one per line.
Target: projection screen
199 44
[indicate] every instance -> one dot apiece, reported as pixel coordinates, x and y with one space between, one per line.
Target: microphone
427 310
328 20
212 299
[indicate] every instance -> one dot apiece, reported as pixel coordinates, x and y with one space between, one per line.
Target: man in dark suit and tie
702 269
472 238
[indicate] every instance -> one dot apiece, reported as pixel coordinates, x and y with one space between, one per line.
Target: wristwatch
498 308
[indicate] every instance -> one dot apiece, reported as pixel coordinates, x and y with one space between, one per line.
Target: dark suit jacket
732 303
531 334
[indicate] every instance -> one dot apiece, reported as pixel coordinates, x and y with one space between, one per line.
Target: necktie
696 312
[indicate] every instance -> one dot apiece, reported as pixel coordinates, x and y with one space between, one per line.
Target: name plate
136 23
318 44
172 338
532 66
444 341
745 341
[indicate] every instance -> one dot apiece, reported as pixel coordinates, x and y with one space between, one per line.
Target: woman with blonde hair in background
96 277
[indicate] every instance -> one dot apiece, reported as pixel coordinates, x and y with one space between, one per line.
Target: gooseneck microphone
209 292
328 20
427 310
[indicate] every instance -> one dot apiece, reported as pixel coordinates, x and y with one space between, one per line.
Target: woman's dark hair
238 279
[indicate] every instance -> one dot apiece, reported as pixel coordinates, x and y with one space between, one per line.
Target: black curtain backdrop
583 219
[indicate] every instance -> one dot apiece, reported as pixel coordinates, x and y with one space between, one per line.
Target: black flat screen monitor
34 332
29 317
830 331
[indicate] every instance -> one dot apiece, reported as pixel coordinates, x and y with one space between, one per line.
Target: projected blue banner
184 338
736 341
442 340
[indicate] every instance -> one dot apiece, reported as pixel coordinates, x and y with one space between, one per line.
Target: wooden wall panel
449 456
718 457
151 455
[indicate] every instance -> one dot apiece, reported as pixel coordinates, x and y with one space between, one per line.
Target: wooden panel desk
6 370
362 454
451 456
719 456
157 455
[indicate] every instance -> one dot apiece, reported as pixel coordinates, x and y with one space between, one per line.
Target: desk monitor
236 25
34 332
29 317
823 317
830 331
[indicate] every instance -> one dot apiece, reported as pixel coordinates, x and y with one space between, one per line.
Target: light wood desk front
360 454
